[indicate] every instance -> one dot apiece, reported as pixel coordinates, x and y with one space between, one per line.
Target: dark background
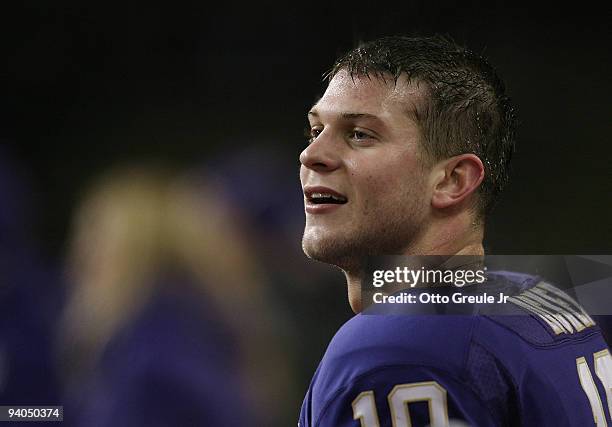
85 87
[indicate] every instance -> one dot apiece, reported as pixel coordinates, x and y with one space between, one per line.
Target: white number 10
364 406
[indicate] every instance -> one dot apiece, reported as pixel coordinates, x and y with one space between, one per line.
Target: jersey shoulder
548 345
370 341
538 312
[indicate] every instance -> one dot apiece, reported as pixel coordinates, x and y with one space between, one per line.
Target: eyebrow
348 115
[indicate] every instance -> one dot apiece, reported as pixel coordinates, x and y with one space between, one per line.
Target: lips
323 199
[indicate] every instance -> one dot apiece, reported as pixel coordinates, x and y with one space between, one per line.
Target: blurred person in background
30 296
167 322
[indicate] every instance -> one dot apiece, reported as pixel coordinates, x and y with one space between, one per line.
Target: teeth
326 195
321 195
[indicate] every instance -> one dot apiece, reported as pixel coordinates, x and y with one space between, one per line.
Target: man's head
408 132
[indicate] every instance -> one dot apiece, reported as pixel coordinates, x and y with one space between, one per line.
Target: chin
316 249
330 250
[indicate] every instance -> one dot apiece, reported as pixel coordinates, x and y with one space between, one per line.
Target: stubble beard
380 233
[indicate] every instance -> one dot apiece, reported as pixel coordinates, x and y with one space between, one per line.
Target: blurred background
121 124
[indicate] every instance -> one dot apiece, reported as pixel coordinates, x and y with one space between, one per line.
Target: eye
312 133
359 136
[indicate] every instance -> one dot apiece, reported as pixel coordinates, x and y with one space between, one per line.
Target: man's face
365 185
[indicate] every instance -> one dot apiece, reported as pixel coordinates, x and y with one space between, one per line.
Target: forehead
385 98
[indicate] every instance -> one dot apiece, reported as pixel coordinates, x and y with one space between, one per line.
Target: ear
456 179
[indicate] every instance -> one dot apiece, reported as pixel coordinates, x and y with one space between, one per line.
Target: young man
409 147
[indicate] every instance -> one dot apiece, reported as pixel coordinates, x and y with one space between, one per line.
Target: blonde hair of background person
131 226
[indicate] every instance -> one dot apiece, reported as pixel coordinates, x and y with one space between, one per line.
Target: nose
321 155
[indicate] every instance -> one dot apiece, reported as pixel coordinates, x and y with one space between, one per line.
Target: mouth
322 199
326 198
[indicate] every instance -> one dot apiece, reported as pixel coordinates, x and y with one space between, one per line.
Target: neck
447 240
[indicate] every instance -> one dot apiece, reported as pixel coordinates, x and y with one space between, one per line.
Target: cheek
378 189
393 188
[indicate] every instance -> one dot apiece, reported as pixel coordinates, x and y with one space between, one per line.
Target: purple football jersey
542 362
